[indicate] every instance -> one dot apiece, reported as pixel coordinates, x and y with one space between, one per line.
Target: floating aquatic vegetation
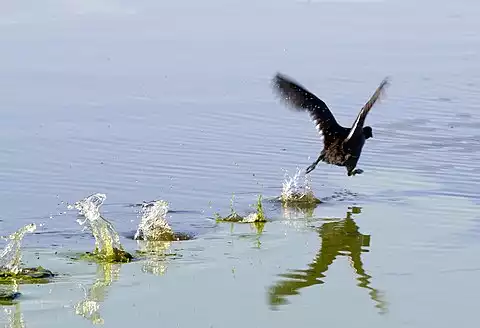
7 297
233 216
36 275
154 225
11 271
257 216
256 219
298 193
107 242
89 307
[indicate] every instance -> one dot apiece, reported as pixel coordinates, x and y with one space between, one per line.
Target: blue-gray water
172 100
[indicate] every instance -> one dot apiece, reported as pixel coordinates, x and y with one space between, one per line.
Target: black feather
342 146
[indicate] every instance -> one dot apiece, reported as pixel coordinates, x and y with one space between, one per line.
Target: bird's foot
311 168
354 172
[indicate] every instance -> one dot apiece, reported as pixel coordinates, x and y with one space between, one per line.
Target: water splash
154 236
153 225
15 317
107 242
11 272
11 256
298 192
89 307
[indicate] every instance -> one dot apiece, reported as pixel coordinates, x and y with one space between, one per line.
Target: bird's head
367 132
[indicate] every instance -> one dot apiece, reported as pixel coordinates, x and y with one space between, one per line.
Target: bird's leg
353 172
314 165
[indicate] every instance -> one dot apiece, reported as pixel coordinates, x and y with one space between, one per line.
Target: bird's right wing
299 98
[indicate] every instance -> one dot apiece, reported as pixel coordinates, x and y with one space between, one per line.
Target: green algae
8 297
9 293
260 211
36 275
355 209
232 217
11 272
259 227
300 200
255 217
116 256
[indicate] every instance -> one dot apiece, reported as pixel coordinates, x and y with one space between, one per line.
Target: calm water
172 100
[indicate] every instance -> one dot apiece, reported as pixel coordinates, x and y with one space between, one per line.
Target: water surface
172 100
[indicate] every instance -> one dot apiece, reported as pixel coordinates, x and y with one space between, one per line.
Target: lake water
172 100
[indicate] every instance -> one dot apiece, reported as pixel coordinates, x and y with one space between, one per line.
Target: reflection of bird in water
341 146
89 308
339 238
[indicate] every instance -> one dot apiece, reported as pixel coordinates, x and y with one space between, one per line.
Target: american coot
341 146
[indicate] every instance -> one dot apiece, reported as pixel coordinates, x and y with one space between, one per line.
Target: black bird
341 146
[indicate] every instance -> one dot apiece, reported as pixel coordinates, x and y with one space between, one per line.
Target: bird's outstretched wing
301 99
357 127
